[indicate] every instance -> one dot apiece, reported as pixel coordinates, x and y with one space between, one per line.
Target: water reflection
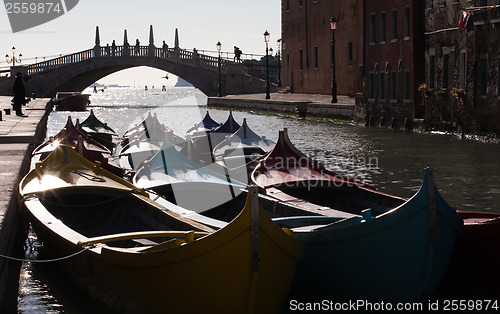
44 288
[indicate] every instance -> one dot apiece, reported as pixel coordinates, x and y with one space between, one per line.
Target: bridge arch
74 72
77 71
79 75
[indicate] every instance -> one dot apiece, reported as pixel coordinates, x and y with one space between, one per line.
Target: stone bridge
75 72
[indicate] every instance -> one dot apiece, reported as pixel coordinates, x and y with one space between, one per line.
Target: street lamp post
219 47
333 27
266 39
279 61
13 60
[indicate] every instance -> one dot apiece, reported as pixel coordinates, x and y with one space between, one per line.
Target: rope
240 166
88 176
46 260
442 30
482 8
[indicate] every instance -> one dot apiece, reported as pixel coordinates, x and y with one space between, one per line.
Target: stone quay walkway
18 137
313 105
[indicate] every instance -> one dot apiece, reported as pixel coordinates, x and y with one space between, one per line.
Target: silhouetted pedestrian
137 46
113 47
19 95
237 54
164 49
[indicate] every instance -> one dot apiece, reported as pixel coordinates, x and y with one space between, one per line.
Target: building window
382 27
407 84
446 71
393 82
481 15
432 72
372 28
371 85
300 60
406 21
394 24
381 85
482 76
349 51
288 5
315 57
463 70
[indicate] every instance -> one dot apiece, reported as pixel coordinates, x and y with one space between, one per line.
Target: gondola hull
136 256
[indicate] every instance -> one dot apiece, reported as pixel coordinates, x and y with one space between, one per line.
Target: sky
200 23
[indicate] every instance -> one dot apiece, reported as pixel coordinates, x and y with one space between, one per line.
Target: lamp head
266 36
333 23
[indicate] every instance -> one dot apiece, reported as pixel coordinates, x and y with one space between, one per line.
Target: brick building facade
403 59
307 46
378 52
390 48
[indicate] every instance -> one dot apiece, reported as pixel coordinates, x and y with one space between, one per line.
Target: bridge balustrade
61 61
173 54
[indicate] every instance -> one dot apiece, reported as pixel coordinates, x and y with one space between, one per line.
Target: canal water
467 172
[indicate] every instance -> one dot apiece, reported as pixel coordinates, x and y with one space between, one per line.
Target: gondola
138 257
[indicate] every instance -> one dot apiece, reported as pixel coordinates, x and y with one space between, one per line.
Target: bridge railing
179 55
60 61
192 57
230 56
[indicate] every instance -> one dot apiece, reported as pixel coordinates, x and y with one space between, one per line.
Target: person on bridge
19 95
137 47
165 48
113 47
237 54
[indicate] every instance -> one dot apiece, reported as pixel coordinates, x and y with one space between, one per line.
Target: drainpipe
474 85
307 35
361 69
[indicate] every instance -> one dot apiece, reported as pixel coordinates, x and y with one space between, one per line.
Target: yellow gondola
136 256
